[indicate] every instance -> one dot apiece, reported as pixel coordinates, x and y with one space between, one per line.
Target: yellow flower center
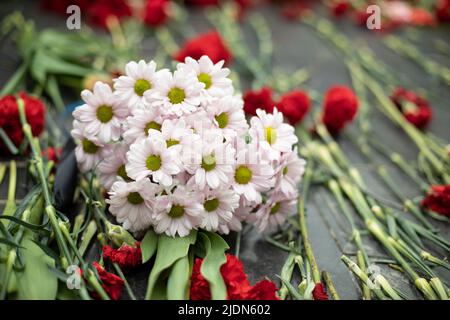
211 205
271 135
153 163
135 198
176 212
172 142
285 170
275 208
104 113
141 85
209 162
176 95
152 125
89 146
243 175
122 172
222 120
206 79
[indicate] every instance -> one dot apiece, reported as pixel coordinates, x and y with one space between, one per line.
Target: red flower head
209 44
438 200
10 120
319 292
340 107
421 17
52 154
294 105
258 99
415 109
443 10
99 11
238 286
111 283
339 8
60 6
156 12
127 257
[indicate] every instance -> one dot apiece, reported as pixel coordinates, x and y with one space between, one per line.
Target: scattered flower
414 108
319 292
294 105
438 200
156 12
339 108
258 99
111 283
127 257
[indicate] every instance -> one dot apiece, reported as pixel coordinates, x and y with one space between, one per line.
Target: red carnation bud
443 10
238 286
156 12
339 109
438 200
319 292
127 257
209 44
258 99
414 108
339 8
52 154
10 120
111 283
294 105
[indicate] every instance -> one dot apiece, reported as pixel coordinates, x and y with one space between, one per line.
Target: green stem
330 286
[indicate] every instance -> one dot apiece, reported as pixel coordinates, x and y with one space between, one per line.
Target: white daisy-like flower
112 167
178 214
174 132
213 76
103 113
212 161
89 151
227 114
151 157
140 122
240 214
252 175
176 94
271 215
217 208
131 203
289 173
140 78
274 136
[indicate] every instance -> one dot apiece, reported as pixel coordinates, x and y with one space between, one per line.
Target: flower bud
119 235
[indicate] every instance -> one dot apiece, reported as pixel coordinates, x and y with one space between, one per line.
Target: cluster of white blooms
176 153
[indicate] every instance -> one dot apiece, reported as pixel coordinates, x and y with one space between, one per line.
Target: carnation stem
330 286
10 206
362 265
127 285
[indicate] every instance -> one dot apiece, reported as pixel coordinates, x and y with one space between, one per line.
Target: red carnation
443 10
52 154
319 292
99 11
339 8
209 44
421 17
294 105
127 257
438 200
60 6
111 283
414 108
156 12
340 107
258 99
238 286
10 120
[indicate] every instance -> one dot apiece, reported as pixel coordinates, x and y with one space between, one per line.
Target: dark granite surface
297 46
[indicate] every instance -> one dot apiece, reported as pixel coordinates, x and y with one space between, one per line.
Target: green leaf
36 282
178 282
215 257
24 224
168 252
148 245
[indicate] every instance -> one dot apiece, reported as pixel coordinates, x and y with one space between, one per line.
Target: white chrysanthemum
217 208
274 136
212 161
178 213
174 132
213 76
112 167
176 94
151 157
131 203
140 78
239 215
252 175
140 122
228 115
271 215
103 113
289 173
89 151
